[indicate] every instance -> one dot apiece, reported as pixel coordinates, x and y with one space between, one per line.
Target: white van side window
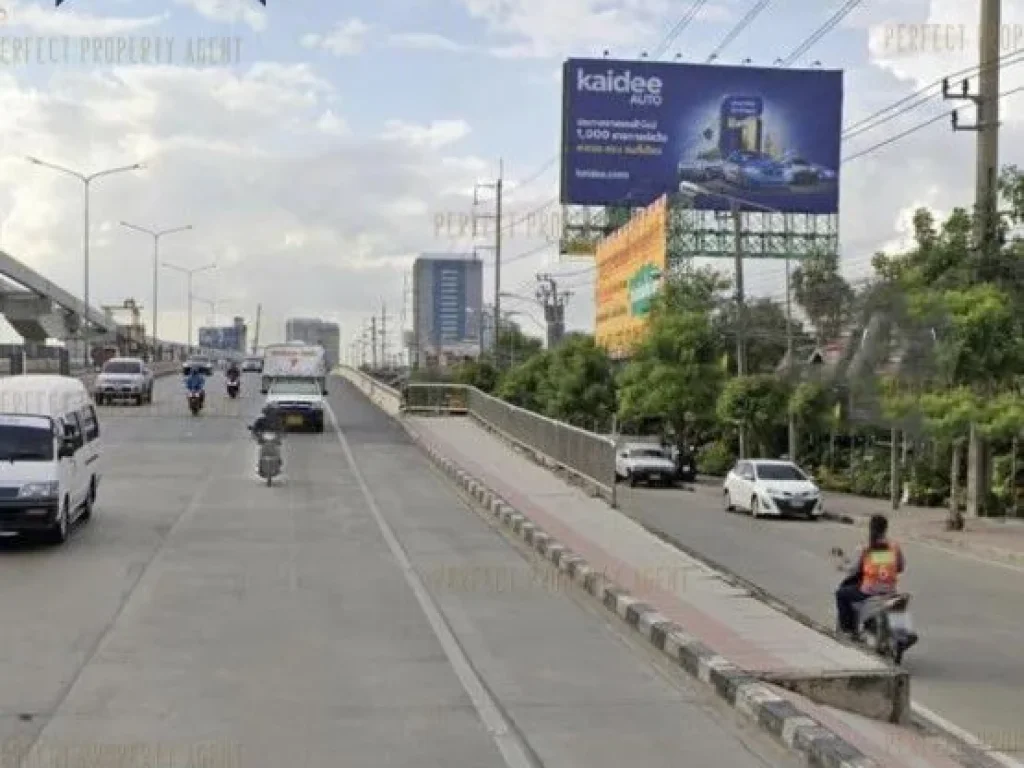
74 426
90 424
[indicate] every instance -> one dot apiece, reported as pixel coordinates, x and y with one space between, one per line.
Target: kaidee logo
642 91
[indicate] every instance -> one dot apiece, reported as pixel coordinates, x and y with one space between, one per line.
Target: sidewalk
748 633
997 538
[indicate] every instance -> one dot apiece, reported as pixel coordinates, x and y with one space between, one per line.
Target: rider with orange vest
875 572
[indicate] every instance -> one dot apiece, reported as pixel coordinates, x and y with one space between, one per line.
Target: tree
477 373
580 383
757 403
514 346
526 384
765 336
676 373
824 295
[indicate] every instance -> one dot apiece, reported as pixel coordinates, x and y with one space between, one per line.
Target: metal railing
585 455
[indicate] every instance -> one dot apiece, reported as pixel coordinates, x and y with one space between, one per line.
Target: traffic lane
57 602
968 611
568 677
272 626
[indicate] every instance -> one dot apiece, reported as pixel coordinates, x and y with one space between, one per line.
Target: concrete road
356 614
969 664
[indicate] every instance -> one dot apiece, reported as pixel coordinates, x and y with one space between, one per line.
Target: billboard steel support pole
741 314
790 352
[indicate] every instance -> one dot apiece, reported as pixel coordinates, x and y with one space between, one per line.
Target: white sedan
775 488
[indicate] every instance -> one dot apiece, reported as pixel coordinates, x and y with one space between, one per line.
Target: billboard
630 264
634 130
448 302
228 338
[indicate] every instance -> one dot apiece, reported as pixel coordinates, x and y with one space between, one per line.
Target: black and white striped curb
748 695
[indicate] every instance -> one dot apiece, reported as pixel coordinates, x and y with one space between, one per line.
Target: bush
715 459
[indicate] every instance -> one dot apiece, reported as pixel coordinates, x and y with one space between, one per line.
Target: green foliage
480 374
823 294
757 403
715 458
812 405
676 372
527 385
580 384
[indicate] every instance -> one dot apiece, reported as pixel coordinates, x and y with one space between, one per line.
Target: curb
753 699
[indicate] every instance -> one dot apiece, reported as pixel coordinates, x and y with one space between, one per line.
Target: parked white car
763 487
644 462
124 378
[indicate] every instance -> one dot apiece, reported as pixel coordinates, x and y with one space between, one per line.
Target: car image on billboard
634 130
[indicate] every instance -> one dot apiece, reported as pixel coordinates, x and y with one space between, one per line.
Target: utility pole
986 194
383 335
405 316
553 303
741 312
373 341
497 187
256 333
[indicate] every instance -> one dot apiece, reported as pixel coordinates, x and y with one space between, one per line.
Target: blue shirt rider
195 381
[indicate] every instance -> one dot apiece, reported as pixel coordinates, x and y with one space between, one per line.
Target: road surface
968 666
203 619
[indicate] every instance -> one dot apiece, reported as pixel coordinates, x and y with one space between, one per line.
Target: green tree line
928 349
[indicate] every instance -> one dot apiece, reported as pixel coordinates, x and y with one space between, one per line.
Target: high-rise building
315 331
447 306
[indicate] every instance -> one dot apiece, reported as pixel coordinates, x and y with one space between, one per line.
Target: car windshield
25 439
122 367
646 453
295 387
779 472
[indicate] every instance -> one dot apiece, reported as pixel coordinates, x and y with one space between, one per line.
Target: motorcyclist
196 382
233 372
269 420
875 571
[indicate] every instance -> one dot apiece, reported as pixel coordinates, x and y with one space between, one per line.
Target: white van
50 457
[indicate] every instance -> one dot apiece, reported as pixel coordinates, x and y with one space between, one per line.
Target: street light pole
86 180
189 274
156 234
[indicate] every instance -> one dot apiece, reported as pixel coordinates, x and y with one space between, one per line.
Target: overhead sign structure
630 265
634 130
227 339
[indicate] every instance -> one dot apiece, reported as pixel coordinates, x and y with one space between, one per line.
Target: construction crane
256 330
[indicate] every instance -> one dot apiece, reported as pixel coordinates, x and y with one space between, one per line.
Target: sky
316 148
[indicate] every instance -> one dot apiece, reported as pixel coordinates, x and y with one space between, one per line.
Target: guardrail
584 455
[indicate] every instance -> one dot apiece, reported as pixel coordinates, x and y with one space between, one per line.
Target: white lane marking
965 736
505 738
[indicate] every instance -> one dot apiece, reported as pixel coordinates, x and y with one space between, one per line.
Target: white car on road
644 462
124 378
776 488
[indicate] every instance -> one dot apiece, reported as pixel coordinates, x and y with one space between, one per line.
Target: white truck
294 361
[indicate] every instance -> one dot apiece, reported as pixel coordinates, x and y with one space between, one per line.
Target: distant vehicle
300 401
644 463
753 169
124 378
50 455
772 488
202 362
294 361
252 364
800 173
700 169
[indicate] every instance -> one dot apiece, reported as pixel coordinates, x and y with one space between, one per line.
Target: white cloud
37 19
230 11
426 41
438 134
348 38
302 216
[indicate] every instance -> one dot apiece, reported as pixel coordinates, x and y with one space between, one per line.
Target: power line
918 98
678 29
741 25
821 31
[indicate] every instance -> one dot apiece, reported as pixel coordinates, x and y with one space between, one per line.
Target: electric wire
741 25
821 31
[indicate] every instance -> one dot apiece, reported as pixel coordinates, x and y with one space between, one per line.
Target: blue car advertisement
768 138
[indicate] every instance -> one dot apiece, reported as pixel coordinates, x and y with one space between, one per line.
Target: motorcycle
885 619
233 386
195 402
269 463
